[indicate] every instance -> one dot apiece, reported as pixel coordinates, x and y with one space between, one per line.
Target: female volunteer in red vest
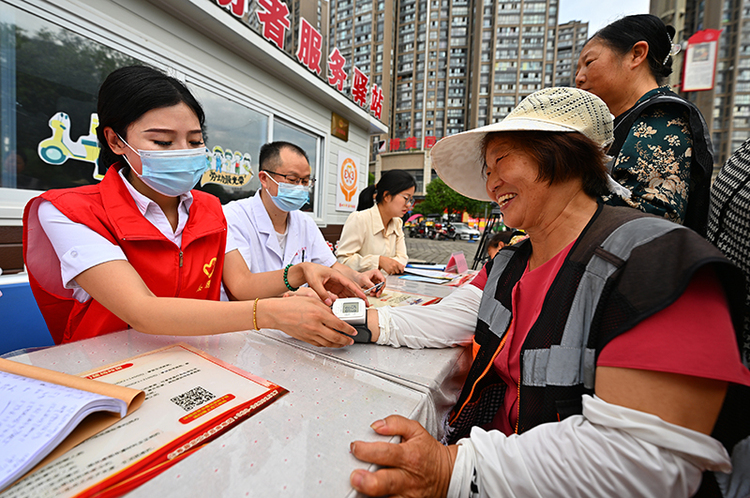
141 249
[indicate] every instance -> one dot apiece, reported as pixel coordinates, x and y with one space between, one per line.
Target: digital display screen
351 307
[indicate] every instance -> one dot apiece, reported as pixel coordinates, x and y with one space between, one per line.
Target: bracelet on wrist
255 310
286 279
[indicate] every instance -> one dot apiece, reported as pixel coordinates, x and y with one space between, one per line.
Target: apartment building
466 63
727 106
571 37
673 12
460 64
514 47
432 63
364 31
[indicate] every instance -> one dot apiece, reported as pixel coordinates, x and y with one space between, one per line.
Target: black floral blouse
654 161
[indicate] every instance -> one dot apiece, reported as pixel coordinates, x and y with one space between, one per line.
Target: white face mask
171 172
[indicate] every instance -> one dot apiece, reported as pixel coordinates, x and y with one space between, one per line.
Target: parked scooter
447 231
433 230
418 230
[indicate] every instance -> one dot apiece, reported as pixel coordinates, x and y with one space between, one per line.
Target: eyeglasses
409 199
294 179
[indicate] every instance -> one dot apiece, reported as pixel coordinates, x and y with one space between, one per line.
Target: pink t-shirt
650 345
528 296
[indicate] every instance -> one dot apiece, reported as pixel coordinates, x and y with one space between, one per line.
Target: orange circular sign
348 183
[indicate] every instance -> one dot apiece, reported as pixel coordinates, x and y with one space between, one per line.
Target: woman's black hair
622 34
366 198
130 92
503 237
392 182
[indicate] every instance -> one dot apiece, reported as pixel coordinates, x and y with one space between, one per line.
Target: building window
311 143
50 85
235 132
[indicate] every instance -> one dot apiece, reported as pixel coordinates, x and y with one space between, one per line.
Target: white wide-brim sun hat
458 159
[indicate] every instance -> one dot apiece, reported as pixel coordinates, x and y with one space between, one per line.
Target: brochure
397 298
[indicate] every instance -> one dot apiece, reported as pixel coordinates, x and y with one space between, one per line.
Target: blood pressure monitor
352 310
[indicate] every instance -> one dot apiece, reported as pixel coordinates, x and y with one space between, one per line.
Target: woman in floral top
662 151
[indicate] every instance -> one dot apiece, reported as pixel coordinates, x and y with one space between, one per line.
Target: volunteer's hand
323 279
307 319
418 466
390 265
306 292
372 277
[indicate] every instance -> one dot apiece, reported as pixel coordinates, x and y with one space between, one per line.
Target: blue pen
374 288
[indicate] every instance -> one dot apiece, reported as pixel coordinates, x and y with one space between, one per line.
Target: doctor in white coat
269 229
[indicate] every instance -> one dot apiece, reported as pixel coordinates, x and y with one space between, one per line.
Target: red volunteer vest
191 271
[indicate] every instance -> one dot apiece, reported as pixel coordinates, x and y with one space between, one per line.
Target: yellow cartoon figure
60 147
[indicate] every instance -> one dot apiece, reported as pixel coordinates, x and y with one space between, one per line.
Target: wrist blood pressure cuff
363 333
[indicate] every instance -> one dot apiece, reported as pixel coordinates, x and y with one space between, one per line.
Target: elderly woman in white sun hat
591 374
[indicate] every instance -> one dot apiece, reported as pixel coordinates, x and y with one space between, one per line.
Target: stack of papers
192 398
425 266
429 276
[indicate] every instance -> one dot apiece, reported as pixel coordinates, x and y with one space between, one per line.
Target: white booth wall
200 43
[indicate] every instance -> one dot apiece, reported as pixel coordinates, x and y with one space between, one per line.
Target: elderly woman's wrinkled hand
419 466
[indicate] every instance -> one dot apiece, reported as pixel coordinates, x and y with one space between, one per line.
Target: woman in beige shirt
373 236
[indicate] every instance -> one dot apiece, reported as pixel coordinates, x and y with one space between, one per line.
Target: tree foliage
441 197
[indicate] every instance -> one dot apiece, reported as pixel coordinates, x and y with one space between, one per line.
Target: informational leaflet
397 298
191 398
434 274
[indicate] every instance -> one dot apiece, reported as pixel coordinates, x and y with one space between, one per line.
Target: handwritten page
36 416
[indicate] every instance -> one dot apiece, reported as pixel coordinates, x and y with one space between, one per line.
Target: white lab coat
253 233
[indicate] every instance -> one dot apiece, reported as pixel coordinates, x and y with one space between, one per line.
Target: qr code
193 398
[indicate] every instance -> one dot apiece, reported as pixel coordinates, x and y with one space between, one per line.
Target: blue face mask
171 172
289 197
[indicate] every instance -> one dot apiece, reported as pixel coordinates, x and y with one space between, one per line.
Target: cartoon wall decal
228 168
225 167
60 147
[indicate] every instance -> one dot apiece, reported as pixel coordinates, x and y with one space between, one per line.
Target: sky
599 13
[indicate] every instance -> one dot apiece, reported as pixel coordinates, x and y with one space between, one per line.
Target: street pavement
439 251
